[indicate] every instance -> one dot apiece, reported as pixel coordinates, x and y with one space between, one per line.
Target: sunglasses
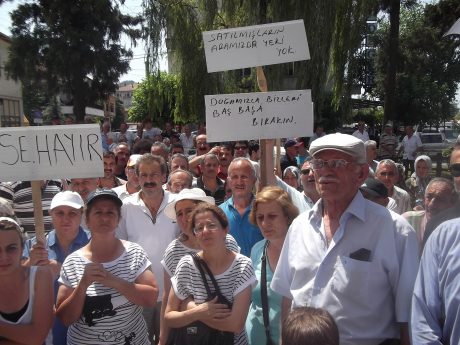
455 169
305 171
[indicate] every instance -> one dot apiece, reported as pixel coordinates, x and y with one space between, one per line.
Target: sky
137 72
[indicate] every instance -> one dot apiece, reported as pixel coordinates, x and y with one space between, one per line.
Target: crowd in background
329 249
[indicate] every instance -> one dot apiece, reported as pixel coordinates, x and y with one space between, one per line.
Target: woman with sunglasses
26 303
273 212
233 273
179 210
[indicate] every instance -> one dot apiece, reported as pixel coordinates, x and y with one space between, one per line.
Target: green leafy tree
74 47
333 29
155 98
428 66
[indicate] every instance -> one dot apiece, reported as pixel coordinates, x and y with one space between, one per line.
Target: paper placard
48 152
259 115
257 45
455 29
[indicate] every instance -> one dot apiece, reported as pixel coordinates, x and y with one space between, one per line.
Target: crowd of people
180 243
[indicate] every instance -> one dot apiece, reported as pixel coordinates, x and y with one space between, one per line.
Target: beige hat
188 194
345 143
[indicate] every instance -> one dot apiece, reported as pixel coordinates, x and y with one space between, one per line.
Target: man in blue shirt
241 180
66 211
435 303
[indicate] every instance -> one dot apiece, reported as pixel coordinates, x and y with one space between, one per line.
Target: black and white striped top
20 195
176 250
108 317
240 275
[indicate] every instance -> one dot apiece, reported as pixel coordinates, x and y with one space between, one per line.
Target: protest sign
259 115
455 29
257 45
48 152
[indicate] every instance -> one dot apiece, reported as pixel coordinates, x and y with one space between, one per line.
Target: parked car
433 142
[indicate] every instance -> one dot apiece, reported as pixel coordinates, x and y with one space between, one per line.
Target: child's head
309 326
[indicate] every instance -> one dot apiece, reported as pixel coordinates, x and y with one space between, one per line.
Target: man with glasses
454 211
349 255
387 172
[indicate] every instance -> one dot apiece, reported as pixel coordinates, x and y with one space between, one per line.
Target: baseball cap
345 143
187 194
67 198
375 188
103 194
133 160
290 143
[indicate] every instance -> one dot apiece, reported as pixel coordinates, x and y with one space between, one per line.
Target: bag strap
204 265
263 292
198 264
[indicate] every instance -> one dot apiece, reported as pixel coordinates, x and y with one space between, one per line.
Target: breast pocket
351 279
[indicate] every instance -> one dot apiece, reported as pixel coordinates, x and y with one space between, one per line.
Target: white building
11 107
125 93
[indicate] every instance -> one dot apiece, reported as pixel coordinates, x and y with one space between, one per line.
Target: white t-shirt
153 232
187 282
108 317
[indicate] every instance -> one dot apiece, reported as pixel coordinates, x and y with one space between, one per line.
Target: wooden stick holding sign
262 83
38 211
49 152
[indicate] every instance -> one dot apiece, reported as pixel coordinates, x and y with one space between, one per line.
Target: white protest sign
259 115
455 29
258 45
47 152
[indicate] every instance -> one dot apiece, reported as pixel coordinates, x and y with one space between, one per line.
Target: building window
9 113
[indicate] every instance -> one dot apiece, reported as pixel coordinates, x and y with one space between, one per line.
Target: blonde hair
272 193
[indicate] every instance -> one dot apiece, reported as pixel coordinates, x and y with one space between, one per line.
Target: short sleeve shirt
187 282
108 317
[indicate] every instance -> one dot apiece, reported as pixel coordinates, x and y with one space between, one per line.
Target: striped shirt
108 317
176 250
20 195
240 275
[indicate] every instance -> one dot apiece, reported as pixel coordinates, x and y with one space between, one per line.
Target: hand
38 255
212 310
93 273
215 150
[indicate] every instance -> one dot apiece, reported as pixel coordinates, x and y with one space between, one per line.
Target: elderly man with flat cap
349 255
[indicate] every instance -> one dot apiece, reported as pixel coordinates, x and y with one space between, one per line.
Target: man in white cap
347 254
132 185
66 211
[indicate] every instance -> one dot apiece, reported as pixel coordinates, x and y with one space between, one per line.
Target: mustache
150 184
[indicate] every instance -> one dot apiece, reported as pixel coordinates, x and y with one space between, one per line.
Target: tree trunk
393 53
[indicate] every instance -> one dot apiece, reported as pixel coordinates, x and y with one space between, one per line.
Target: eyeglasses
455 169
240 148
317 164
209 226
305 171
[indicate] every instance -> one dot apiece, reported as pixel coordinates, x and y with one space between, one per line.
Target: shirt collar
357 208
81 239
